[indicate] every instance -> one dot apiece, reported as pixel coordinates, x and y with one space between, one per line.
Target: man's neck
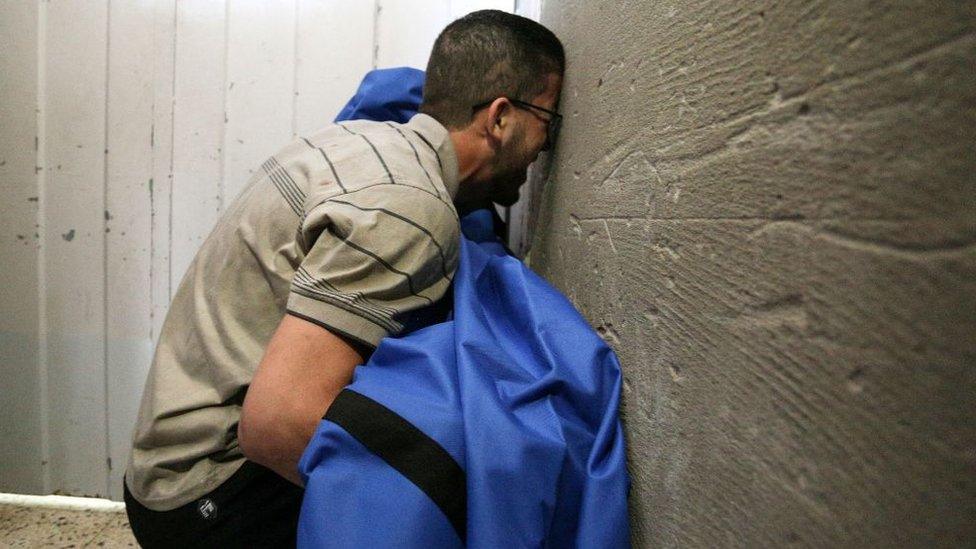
468 154
470 164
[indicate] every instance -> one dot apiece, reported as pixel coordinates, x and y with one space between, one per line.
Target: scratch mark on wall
785 310
900 63
609 237
675 372
575 225
910 251
607 332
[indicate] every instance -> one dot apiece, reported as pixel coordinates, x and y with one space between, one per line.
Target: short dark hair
484 55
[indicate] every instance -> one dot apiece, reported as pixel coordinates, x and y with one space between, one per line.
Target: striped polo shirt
352 228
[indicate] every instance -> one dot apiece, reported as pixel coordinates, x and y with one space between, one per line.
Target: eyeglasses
553 123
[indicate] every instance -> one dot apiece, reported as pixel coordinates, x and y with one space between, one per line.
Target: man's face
529 136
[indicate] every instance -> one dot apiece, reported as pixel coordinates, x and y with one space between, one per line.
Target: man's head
493 80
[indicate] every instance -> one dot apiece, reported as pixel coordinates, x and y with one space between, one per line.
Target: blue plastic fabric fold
386 95
516 388
498 428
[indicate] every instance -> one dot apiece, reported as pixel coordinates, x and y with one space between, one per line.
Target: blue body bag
497 428
386 95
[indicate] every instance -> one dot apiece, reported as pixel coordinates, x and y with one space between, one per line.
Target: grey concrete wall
769 209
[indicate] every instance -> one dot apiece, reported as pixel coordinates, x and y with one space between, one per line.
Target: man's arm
303 369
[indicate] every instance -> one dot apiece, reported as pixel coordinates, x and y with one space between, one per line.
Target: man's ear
499 120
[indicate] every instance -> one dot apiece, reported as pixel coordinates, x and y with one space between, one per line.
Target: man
347 236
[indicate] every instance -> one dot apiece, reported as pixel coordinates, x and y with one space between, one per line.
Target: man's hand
303 369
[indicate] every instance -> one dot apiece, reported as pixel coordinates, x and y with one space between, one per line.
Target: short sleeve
374 255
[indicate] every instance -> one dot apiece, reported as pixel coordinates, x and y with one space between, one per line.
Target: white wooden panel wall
405 31
161 141
457 8
73 222
127 127
198 128
260 87
22 442
322 85
128 219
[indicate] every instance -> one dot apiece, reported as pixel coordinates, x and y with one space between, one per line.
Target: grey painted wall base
769 210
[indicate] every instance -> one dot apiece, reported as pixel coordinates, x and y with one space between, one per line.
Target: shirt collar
440 139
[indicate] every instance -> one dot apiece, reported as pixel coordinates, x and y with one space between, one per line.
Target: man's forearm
280 447
303 369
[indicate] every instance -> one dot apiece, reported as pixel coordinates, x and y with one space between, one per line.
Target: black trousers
254 508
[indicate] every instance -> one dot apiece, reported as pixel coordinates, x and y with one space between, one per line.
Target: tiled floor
45 527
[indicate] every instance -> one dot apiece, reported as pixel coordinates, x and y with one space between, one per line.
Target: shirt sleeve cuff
335 319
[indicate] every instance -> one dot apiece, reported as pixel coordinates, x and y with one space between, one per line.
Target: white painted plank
260 87
529 8
406 29
198 129
459 8
334 51
128 217
164 53
73 243
21 452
